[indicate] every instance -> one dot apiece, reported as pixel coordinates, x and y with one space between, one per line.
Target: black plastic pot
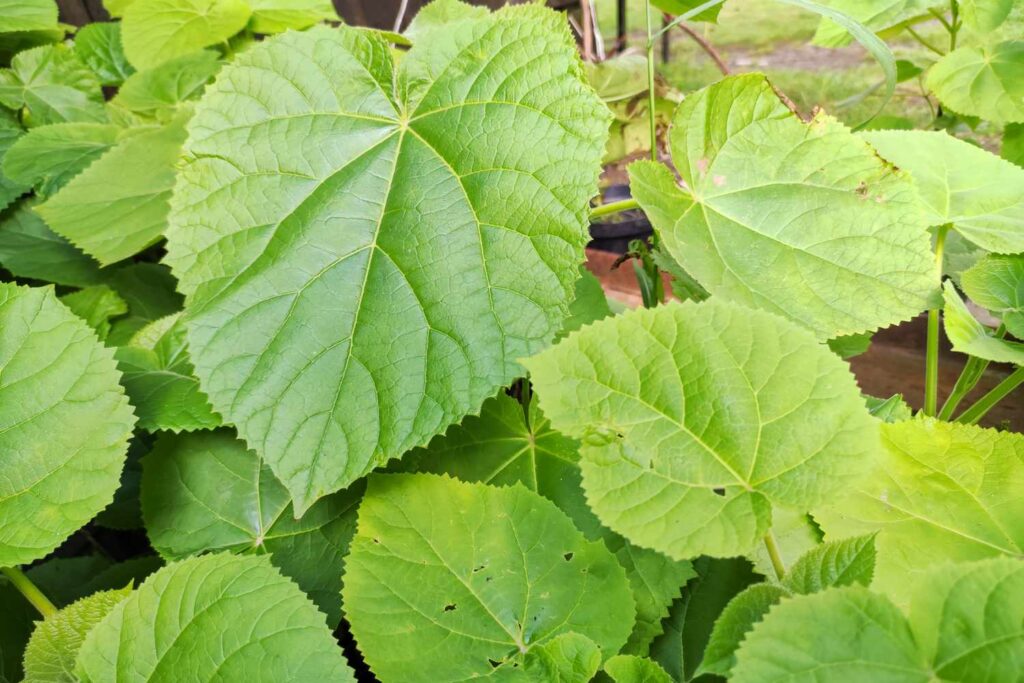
614 233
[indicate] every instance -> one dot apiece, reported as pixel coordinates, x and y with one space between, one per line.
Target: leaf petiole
613 208
774 555
931 373
969 377
29 590
989 400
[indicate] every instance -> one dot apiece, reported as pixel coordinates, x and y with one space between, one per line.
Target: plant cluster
307 309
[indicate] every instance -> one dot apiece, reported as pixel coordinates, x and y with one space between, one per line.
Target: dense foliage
294 340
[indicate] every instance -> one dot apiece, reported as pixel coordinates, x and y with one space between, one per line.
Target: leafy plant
295 340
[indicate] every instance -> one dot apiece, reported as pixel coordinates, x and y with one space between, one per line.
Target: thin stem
989 400
614 207
954 24
774 555
685 16
974 370
650 87
919 38
931 371
941 17
400 16
707 47
29 590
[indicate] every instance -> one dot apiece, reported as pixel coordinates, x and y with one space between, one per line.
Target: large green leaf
28 15
163 87
997 283
986 81
447 579
64 424
814 226
969 336
696 418
29 249
981 195
205 492
118 205
942 492
217 617
52 649
393 260
99 46
275 16
50 156
155 31
159 379
52 85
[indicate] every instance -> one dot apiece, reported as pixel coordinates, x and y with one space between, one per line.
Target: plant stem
954 24
29 590
614 207
708 48
685 16
919 38
650 86
931 371
989 400
942 19
774 555
969 377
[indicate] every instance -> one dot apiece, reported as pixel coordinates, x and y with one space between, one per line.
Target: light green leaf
850 346
440 15
319 298
969 336
620 77
159 380
852 634
50 156
736 621
96 305
892 409
52 85
99 46
986 81
216 617
149 289
696 418
53 647
687 630
877 15
836 563
589 305
118 206
29 249
163 87
985 15
28 15
155 31
680 7
116 8
566 658
795 534
845 241
997 283
64 424
967 620
10 133
445 577
275 16
633 669
981 195
205 492
943 492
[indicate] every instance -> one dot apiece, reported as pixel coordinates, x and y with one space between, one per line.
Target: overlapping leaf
96 305
696 418
49 156
969 336
28 248
10 133
447 580
154 31
408 233
997 283
985 81
52 85
275 16
99 46
633 669
64 424
161 88
205 492
28 15
803 220
876 15
217 617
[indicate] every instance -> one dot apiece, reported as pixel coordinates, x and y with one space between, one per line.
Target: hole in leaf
449 607
494 664
720 492
567 556
480 568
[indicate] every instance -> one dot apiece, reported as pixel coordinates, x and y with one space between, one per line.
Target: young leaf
696 418
163 87
969 336
96 305
837 563
892 409
985 15
99 46
853 634
275 16
941 492
118 206
981 195
28 15
419 327
842 248
567 658
986 81
52 85
49 156
155 31
64 424
795 534
633 669
29 249
997 283
53 647
877 15
736 621
205 492
158 377
217 617
677 7
447 580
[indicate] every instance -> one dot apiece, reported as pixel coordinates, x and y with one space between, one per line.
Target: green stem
989 400
650 87
931 368
919 38
614 207
954 24
942 19
974 370
774 555
29 590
